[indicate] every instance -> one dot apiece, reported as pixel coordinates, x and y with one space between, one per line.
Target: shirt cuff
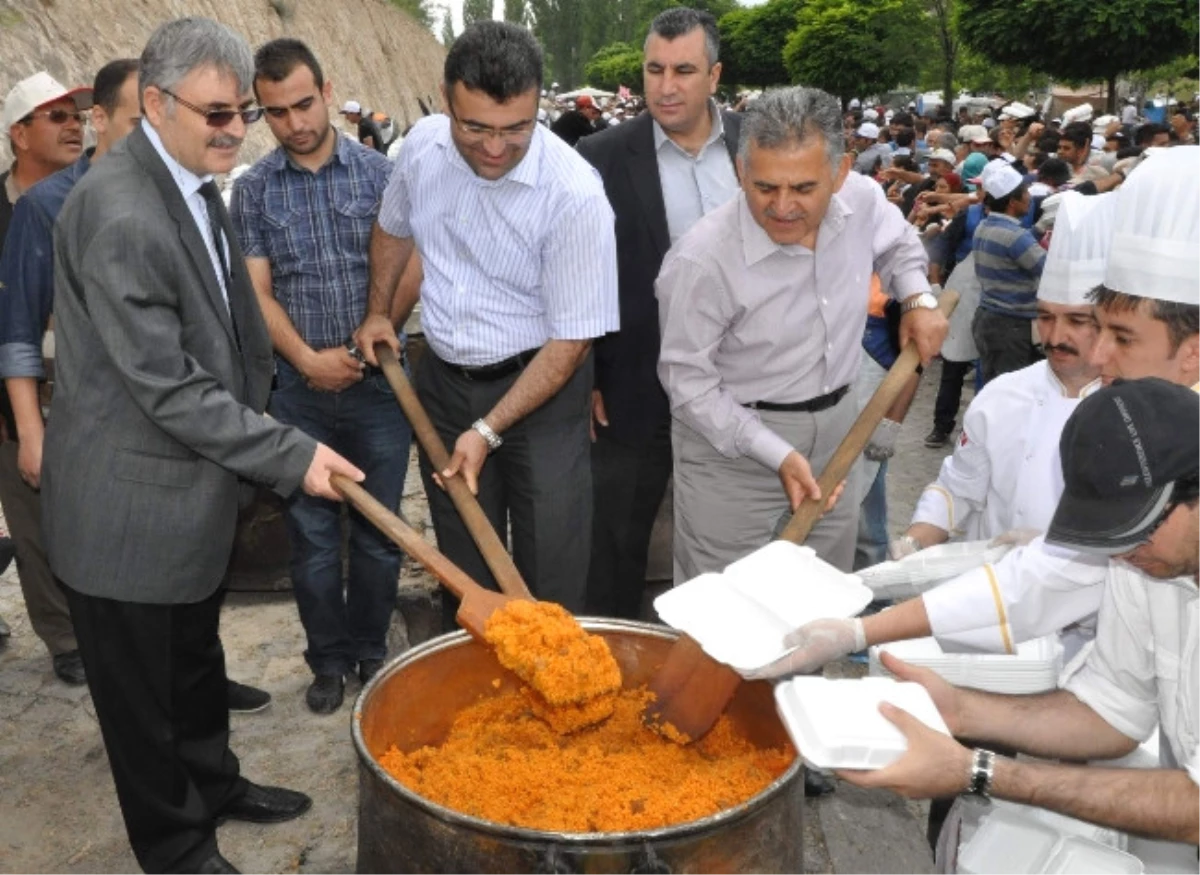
1127 714
768 448
21 360
935 507
905 285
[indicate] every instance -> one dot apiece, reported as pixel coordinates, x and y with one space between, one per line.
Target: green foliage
615 65
516 11
476 10
421 10
981 76
448 35
752 41
1079 40
858 48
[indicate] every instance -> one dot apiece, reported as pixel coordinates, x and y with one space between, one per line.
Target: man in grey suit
164 367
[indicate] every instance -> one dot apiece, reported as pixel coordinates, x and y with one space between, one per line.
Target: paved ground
58 809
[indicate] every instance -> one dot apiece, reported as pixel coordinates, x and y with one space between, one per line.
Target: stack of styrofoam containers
1019 838
1034 668
741 615
925 569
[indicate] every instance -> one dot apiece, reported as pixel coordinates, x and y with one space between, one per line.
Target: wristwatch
493 440
923 301
983 766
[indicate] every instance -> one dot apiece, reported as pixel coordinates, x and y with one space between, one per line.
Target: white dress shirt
510 263
694 185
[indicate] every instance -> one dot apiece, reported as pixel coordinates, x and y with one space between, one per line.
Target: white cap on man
1078 255
974 134
999 179
871 115
868 130
943 155
1017 110
35 92
854 103
351 107
1156 235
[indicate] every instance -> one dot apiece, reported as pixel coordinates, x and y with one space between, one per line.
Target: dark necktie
218 225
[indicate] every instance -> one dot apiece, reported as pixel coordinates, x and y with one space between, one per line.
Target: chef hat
1156 235
1017 110
1081 113
1078 253
1100 124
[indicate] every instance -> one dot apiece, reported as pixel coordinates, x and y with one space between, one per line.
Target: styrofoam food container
1080 855
741 616
836 724
1007 841
1033 668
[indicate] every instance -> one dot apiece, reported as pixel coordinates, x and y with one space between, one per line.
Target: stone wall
371 51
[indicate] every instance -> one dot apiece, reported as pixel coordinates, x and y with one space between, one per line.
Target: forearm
407 292
899 623
1158 803
26 407
546 374
284 336
1050 725
927 534
389 257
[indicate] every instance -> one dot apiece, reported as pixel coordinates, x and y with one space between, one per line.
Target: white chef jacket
1144 668
1006 474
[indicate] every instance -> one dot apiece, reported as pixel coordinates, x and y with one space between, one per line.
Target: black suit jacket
627 360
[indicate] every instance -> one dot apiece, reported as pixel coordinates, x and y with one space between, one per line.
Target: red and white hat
37 91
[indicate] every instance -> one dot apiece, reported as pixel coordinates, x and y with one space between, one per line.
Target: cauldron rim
526 834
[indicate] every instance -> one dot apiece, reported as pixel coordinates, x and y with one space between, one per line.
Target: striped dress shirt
509 264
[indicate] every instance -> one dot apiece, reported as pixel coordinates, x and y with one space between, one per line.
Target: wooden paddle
692 689
477 603
494 552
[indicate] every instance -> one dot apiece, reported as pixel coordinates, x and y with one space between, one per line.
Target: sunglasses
220 118
55 116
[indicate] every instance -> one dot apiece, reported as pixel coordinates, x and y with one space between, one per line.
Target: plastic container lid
836 724
1080 855
740 616
1007 842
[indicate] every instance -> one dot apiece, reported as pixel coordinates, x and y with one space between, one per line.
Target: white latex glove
1014 538
898 548
815 644
883 441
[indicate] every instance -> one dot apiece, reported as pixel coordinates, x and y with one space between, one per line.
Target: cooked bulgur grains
503 764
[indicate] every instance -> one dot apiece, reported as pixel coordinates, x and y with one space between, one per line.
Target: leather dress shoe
245 699
368 668
261 804
817 784
215 865
69 668
325 693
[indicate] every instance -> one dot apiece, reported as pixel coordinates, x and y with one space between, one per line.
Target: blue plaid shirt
315 229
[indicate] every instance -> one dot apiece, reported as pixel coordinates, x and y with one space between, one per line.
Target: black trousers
539 482
629 481
157 678
949 396
1005 343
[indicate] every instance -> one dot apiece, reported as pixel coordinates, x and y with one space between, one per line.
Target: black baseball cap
1125 452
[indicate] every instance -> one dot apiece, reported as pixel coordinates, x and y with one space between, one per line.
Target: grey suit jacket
157 412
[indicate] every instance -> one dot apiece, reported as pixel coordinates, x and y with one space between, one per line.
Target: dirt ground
58 809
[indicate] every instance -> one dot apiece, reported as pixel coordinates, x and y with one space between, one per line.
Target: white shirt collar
188 182
716 132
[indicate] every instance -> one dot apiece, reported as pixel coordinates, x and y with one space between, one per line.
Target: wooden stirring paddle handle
485 537
856 440
404 536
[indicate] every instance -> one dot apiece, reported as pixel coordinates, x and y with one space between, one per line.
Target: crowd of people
680 290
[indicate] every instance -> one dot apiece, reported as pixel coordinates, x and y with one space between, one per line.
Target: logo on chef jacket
962 441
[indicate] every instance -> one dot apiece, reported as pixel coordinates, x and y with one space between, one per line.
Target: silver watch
923 301
493 440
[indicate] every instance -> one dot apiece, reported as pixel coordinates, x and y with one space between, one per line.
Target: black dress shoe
368 668
266 805
69 668
244 699
817 784
214 865
325 693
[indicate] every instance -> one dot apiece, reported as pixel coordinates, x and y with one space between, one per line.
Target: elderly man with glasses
164 368
517 243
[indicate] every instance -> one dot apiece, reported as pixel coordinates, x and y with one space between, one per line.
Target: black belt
812 405
496 371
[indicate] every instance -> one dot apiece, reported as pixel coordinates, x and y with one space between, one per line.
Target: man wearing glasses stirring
517 244
164 367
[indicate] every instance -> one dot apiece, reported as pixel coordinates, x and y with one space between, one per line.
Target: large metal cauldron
413 701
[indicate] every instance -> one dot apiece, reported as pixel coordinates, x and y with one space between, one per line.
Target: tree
447 27
752 40
421 10
516 11
615 65
476 10
857 48
946 36
1080 40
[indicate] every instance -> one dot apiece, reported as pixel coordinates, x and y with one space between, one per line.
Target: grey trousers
539 482
44 599
726 508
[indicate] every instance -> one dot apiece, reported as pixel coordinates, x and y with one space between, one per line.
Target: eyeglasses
55 116
474 133
220 118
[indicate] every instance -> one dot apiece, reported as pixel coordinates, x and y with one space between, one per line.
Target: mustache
786 217
225 141
1060 347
